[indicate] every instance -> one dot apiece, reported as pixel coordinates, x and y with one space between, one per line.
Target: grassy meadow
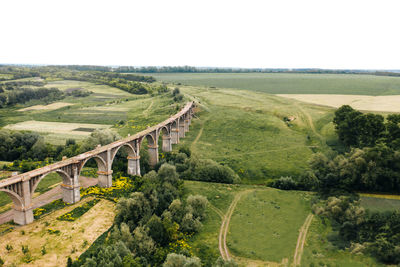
247 131
290 83
265 224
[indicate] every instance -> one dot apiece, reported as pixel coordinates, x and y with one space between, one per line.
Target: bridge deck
52 167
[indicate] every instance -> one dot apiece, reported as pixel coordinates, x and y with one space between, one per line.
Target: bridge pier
105 178
182 130
166 144
71 191
134 165
24 214
153 154
175 136
186 125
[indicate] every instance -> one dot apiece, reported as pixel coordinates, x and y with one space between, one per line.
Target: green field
265 224
380 204
290 83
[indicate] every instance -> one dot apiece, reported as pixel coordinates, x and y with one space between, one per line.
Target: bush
179 260
285 183
209 171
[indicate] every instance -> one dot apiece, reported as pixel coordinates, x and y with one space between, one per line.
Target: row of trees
13 85
24 95
357 129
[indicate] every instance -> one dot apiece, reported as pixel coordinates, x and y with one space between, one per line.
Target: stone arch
174 124
65 177
101 164
151 140
165 130
16 199
131 151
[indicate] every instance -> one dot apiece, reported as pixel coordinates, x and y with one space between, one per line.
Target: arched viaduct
21 187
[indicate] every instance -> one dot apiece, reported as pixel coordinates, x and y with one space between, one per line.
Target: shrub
179 260
209 171
186 150
198 205
285 183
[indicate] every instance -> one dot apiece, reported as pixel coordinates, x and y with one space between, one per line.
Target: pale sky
335 34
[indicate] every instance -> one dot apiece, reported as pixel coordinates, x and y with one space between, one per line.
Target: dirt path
310 121
301 240
199 134
47 197
146 111
223 232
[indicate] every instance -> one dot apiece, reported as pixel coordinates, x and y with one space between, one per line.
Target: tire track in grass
301 240
146 111
223 232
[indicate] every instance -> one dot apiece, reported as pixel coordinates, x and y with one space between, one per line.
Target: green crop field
290 83
380 204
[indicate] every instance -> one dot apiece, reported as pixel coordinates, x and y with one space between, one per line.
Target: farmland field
57 132
290 83
380 204
52 106
389 103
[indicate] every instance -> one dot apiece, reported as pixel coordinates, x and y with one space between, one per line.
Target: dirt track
223 232
301 240
47 197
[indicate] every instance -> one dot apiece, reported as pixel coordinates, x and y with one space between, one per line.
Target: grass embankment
246 130
59 238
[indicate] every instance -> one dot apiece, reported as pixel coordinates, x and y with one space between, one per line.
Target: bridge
20 188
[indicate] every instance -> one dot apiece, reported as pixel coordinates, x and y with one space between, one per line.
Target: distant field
52 106
105 90
385 103
57 130
290 83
